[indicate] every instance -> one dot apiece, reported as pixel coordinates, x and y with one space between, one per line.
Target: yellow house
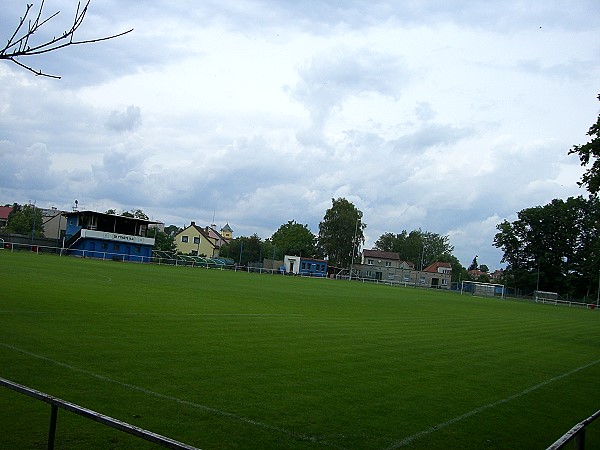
194 240
227 232
198 241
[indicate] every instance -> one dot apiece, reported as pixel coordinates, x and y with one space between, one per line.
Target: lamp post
33 227
353 247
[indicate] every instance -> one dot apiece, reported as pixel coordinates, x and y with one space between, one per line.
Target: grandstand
175 259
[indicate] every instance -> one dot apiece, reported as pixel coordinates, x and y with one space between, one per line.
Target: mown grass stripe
180 401
407 440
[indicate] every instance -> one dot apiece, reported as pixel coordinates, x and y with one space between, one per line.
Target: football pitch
221 360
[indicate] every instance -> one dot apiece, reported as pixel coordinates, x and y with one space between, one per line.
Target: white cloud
128 120
444 117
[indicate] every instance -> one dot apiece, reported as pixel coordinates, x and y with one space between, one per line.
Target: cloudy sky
444 116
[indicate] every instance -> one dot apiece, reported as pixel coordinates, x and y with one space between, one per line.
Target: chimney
193 224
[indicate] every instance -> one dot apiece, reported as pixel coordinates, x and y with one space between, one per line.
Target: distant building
477 274
198 241
300 265
4 212
383 266
220 238
227 232
497 275
107 236
438 275
54 223
380 265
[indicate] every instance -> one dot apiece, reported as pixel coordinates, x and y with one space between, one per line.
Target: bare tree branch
18 45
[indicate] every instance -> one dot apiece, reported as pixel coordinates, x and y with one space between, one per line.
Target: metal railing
56 403
577 433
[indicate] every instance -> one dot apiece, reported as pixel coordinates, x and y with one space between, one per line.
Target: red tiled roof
436 265
5 211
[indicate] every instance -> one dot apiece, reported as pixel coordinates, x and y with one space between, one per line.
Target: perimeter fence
57 403
577 435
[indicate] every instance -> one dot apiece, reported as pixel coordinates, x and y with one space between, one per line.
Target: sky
445 116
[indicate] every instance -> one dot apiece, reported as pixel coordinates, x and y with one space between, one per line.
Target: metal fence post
580 440
52 427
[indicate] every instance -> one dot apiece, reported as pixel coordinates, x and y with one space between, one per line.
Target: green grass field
224 360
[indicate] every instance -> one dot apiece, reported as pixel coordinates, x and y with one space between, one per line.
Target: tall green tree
341 233
244 250
163 241
26 219
139 214
590 154
474 264
419 247
555 247
172 230
293 238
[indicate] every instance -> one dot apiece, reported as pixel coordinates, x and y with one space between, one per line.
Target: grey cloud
573 70
504 16
431 135
128 120
329 79
26 168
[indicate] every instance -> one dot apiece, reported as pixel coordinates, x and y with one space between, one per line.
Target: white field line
219 412
420 434
153 314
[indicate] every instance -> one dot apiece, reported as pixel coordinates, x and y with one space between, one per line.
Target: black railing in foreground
576 433
56 403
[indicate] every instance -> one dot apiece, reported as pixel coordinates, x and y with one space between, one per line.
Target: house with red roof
4 212
438 275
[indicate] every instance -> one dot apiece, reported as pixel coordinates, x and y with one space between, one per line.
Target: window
138 248
184 239
196 239
116 247
104 246
422 280
370 262
388 264
444 282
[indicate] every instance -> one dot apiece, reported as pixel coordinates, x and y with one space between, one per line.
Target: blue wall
98 248
313 267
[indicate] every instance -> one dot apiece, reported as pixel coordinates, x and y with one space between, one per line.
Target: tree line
340 237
